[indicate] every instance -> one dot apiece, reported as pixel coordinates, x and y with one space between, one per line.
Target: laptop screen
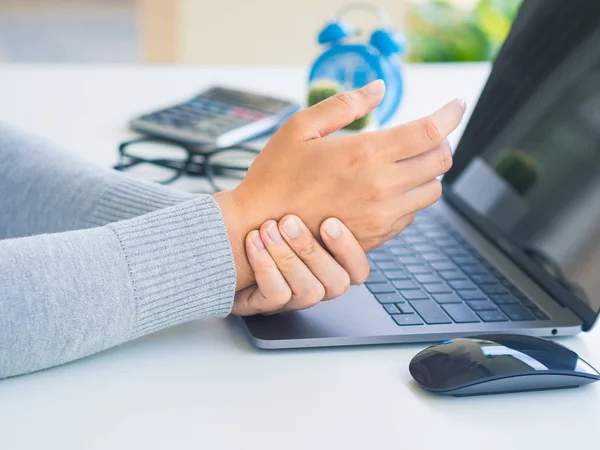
527 168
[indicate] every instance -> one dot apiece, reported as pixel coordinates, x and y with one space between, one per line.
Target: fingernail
291 227
332 228
256 240
273 232
375 88
462 104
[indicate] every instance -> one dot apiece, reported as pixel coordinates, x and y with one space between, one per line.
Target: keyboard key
405 308
380 288
492 316
415 239
462 284
443 265
452 275
389 298
483 278
426 278
409 259
437 234
540 314
481 305
376 277
447 298
493 288
391 309
517 312
473 294
527 302
517 293
464 260
372 265
504 299
437 288
414 294
445 241
433 256
455 250
460 313
407 319
431 312
379 255
396 274
405 284
417 268
422 248
385 265
472 269
401 250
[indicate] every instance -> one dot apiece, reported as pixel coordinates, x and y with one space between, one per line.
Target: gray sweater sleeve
69 294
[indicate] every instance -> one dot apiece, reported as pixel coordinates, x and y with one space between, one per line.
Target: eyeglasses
168 162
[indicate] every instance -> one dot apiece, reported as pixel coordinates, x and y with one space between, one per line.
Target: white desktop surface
202 385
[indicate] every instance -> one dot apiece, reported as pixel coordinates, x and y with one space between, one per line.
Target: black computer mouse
501 363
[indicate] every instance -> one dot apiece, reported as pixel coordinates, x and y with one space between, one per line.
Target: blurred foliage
440 31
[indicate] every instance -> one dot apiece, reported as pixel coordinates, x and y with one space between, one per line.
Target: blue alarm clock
349 64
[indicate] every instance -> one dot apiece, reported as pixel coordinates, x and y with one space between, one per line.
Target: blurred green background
448 31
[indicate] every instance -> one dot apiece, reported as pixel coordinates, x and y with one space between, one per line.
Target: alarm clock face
350 66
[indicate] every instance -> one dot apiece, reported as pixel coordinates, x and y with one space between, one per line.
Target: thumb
338 111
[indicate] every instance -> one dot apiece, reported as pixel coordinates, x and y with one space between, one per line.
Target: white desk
201 385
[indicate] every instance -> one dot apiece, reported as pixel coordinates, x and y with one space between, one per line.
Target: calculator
216 118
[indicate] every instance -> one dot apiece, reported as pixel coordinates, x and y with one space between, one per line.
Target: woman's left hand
293 271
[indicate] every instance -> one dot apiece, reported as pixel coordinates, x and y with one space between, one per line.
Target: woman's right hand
373 182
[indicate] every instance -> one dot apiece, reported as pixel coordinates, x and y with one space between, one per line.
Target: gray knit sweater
90 258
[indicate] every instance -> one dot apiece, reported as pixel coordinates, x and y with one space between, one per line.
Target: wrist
234 217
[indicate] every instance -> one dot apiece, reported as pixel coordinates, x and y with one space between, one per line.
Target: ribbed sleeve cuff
126 197
180 262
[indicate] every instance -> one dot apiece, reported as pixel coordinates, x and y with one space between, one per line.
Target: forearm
67 295
46 189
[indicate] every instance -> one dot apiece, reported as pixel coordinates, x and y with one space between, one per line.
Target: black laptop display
527 169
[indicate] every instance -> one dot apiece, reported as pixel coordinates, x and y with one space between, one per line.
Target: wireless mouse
502 363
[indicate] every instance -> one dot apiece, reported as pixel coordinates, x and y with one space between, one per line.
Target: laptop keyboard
429 275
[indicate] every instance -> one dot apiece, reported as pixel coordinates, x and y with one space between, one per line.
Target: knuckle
346 100
445 159
294 121
436 190
429 131
287 259
361 275
308 250
281 300
315 294
339 287
378 190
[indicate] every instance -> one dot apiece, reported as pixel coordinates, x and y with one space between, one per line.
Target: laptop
514 244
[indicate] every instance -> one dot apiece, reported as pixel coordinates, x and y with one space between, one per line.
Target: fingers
272 293
336 112
306 288
422 196
325 268
345 249
422 168
417 137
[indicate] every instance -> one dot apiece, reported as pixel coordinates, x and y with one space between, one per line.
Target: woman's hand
373 182
293 271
